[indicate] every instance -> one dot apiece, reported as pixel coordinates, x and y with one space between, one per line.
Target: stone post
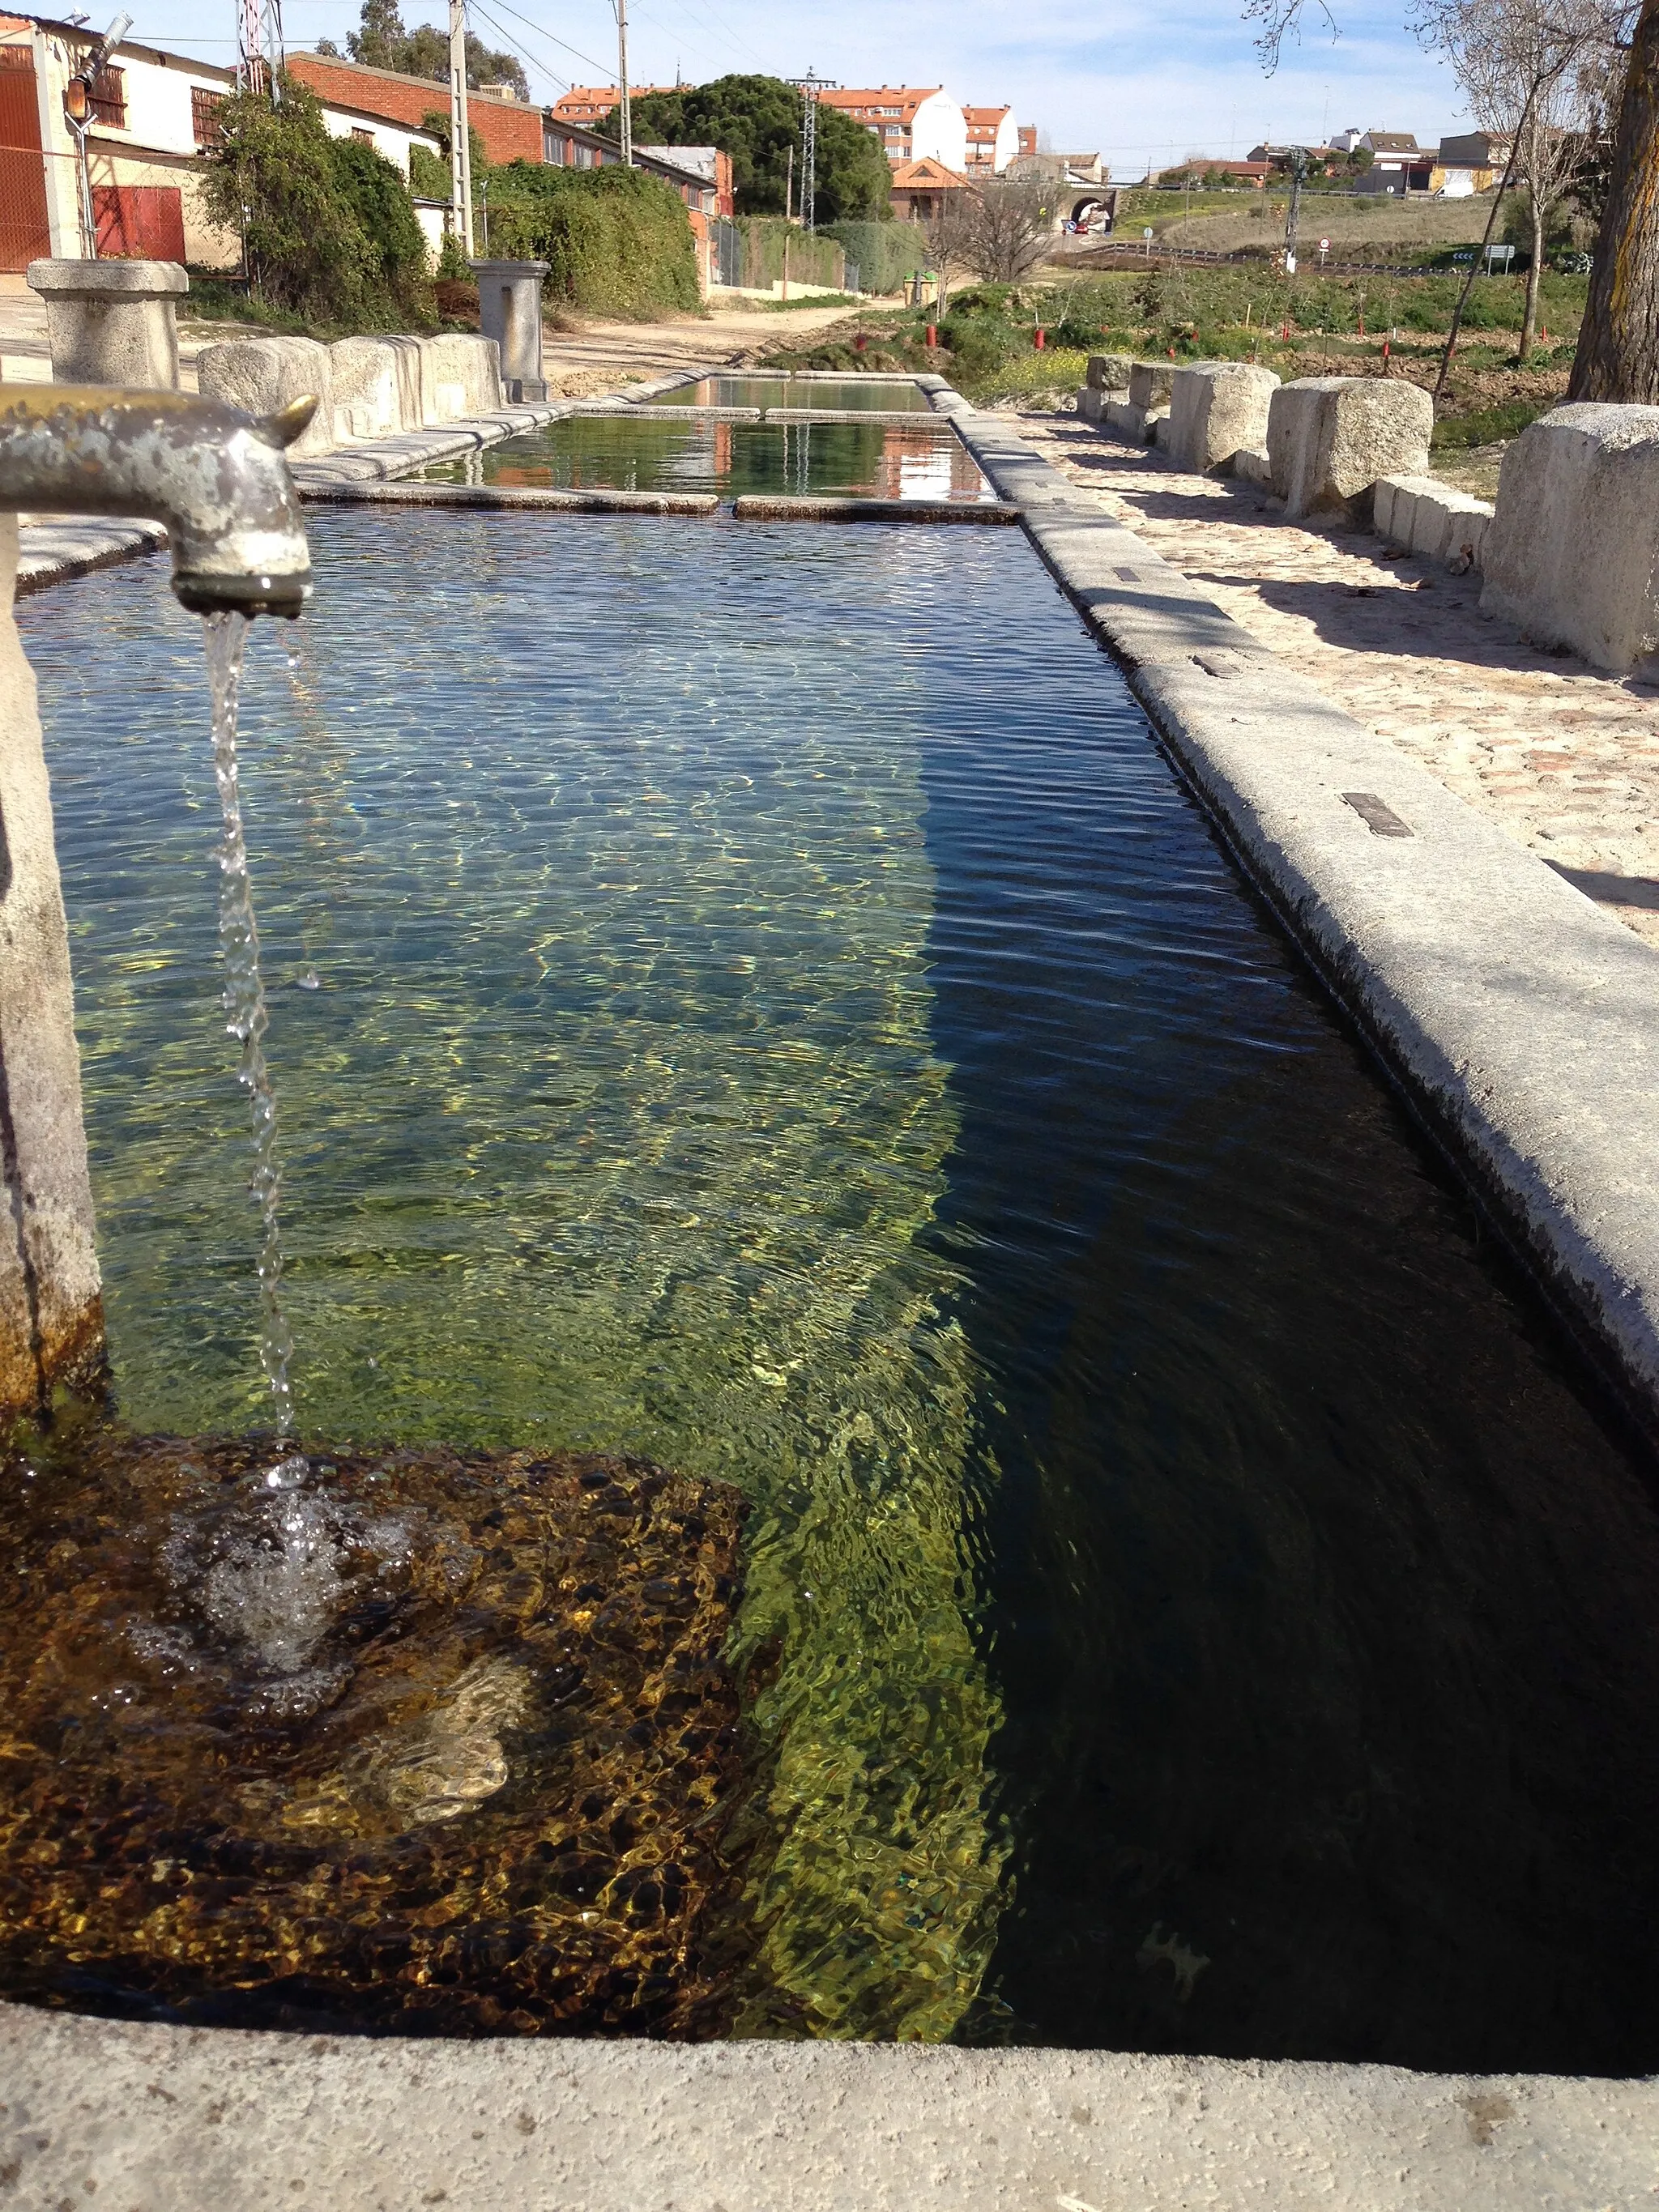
52 1315
113 322
510 312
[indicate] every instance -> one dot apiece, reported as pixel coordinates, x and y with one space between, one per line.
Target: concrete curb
166 2119
510 497
1521 1021
768 506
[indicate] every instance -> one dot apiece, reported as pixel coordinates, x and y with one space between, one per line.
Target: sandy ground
590 357
1564 757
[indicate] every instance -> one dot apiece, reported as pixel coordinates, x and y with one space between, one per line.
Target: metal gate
727 254
25 229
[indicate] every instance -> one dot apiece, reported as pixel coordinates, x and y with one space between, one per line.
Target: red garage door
25 233
139 222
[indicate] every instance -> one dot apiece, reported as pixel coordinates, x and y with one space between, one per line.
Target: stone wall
365 387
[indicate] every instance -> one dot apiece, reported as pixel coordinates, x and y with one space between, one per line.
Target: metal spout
216 477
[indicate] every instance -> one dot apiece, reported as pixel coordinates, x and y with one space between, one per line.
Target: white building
993 140
152 119
913 125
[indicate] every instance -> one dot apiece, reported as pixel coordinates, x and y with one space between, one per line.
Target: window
109 98
363 137
205 107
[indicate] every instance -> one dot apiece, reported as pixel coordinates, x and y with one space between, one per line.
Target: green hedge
617 241
814 256
331 234
886 252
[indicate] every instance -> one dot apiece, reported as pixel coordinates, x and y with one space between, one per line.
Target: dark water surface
585 452
758 998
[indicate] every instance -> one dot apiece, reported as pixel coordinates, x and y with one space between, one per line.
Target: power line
602 67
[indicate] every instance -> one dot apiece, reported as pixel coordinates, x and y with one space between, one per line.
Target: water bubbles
311 980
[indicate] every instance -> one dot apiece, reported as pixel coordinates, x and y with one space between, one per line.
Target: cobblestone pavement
1565 758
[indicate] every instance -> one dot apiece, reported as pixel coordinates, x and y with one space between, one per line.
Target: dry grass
1346 222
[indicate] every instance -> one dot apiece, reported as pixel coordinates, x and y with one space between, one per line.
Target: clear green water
788 392
777 1012
881 461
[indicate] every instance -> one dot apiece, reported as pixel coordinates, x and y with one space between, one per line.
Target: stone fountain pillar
510 312
113 322
52 1315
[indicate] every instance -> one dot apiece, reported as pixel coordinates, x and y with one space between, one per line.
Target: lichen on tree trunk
1618 355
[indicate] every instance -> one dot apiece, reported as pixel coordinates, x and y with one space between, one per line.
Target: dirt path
592 356
599 354
1565 758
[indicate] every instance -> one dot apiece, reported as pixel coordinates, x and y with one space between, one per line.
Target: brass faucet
216 477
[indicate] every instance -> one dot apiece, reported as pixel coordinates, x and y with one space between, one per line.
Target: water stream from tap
248 1017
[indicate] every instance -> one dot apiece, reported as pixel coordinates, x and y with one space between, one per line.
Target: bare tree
1529 68
997 230
1619 343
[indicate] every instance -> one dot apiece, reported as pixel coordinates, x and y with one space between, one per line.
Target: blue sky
1141 80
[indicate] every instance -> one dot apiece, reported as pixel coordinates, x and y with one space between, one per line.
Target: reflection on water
888 394
776 1013
585 452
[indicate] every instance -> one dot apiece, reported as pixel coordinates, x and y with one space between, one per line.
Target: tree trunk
1618 344
1534 271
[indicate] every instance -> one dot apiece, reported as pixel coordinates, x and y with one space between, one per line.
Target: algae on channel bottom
617 1126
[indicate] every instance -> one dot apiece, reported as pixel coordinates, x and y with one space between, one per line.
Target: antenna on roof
260 47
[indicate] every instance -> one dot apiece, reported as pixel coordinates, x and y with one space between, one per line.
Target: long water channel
756 998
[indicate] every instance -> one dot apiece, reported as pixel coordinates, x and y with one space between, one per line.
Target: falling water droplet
248 1017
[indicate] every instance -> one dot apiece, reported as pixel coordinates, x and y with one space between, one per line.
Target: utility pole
460 150
1298 170
621 75
789 183
810 87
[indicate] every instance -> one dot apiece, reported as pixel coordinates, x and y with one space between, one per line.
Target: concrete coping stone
886 416
56 552
513 497
766 507
126 280
1522 1020
223 2120
642 410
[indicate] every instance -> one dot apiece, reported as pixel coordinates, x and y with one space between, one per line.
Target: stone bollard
1110 372
51 1321
113 322
1572 552
1330 438
510 312
363 374
1149 383
1217 410
460 378
259 375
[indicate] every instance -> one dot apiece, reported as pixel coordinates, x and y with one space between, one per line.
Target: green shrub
376 195
1461 433
617 241
330 233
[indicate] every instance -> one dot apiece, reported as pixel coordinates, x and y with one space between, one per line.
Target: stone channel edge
1520 1019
